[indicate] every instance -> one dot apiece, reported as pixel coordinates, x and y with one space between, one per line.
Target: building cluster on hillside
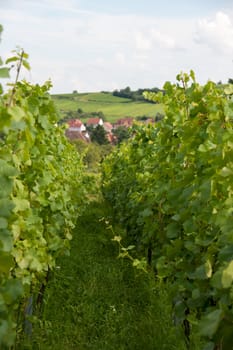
79 130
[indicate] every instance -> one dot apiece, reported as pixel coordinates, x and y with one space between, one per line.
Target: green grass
113 107
95 301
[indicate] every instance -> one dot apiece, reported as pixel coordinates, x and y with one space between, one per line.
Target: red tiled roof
125 121
93 121
107 126
74 135
75 123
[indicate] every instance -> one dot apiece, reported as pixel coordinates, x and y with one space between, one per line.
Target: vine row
43 191
171 187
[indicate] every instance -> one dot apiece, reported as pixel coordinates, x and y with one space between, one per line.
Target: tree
159 116
122 133
101 115
98 135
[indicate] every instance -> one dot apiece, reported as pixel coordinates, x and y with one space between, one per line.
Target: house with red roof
108 127
76 125
77 130
94 122
126 122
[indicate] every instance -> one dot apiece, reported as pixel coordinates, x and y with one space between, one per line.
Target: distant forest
136 95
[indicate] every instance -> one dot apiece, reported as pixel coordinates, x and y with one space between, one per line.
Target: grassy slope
113 107
98 302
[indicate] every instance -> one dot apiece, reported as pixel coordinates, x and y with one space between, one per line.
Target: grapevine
43 191
171 187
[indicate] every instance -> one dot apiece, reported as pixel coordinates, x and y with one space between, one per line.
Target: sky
103 45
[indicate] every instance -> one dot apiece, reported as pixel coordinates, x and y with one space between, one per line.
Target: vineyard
169 198
42 193
171 188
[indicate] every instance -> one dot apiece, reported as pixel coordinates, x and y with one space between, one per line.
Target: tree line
135 95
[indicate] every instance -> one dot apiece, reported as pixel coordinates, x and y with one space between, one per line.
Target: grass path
98 302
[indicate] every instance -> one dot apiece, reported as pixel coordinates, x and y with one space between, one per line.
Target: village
79 130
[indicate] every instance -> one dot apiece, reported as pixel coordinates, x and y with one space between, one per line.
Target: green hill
113 107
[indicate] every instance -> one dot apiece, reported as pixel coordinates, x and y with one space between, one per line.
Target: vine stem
19 65
186 105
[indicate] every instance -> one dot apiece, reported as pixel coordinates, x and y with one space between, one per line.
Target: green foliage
21 58
122 133
42 193
98 135
136 95
171 187
92 154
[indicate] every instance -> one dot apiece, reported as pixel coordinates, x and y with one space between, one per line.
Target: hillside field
113 107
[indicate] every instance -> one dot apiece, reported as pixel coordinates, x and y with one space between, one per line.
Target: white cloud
143 42
216 33
120 58
163 40
86 51
154 38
